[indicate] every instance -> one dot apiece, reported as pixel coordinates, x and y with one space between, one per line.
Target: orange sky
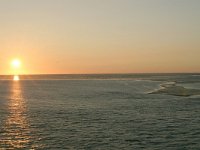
108 36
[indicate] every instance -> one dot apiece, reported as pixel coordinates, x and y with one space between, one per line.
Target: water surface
98 112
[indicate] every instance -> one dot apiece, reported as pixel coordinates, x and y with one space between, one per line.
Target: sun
16 63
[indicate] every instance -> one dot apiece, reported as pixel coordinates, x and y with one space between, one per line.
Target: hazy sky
100 36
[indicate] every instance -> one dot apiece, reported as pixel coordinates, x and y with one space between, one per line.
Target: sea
100 112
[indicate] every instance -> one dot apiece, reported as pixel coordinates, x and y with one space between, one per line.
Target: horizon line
99 73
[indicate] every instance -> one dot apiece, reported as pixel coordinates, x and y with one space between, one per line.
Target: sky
100 36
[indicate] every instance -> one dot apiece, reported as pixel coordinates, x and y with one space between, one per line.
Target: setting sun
16 63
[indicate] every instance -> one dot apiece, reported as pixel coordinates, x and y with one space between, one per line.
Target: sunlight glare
16 78
16 63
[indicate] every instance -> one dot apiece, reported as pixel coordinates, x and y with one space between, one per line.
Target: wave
171 88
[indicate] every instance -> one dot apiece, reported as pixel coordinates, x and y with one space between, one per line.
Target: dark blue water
98 112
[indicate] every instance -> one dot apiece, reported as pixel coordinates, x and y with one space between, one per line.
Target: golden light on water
16 78
16 127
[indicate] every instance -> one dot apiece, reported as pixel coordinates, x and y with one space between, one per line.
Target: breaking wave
171 88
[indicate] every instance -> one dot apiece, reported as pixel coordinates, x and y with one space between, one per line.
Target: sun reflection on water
16 78
16 127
